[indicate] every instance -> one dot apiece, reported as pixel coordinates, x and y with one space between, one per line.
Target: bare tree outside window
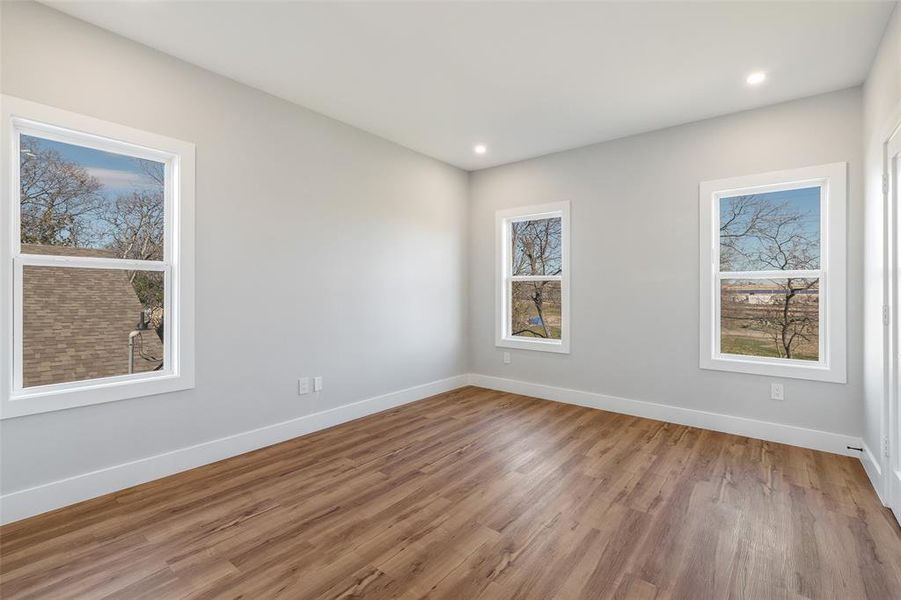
135 221
536 253
761 315
537 247
59 199
536 309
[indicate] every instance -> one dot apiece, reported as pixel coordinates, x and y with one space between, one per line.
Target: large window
533 278
773 273
97 262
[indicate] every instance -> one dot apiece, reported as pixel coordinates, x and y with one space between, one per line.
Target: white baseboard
836 443
56 494
874 471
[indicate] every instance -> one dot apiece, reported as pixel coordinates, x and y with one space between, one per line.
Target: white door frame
892 197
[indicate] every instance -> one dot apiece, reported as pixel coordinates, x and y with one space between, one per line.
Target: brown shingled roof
77 321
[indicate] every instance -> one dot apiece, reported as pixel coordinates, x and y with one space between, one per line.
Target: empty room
453 300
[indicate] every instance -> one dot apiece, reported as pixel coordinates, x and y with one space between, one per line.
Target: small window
773 274
100 255
533 278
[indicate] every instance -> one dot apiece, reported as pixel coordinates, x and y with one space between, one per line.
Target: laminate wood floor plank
478 494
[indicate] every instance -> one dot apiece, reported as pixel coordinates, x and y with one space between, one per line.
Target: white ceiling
523 78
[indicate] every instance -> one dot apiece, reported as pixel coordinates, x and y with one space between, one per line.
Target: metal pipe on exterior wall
131 350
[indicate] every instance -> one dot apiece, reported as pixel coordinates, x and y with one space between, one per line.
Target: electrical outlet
777 392
317 384
303 386
507 360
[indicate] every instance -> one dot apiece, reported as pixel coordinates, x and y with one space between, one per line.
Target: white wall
881 113
635 260
321 250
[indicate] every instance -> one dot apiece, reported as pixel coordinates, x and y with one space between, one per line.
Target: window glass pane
771 231
78 323
78 197
537 247
536 309
775 318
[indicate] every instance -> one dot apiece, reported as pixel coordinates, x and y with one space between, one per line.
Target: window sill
776 368
48 398
557 346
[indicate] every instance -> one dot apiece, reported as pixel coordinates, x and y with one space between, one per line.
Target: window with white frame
97 261
533 278
773 273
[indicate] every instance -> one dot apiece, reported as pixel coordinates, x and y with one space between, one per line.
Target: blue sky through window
117 173
771 231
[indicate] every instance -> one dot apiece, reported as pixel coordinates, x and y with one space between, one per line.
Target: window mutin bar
90 262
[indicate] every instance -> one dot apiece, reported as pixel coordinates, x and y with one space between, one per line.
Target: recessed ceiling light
756 78
480 149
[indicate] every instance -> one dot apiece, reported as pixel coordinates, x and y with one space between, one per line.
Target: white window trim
24 116
832 366
503 219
